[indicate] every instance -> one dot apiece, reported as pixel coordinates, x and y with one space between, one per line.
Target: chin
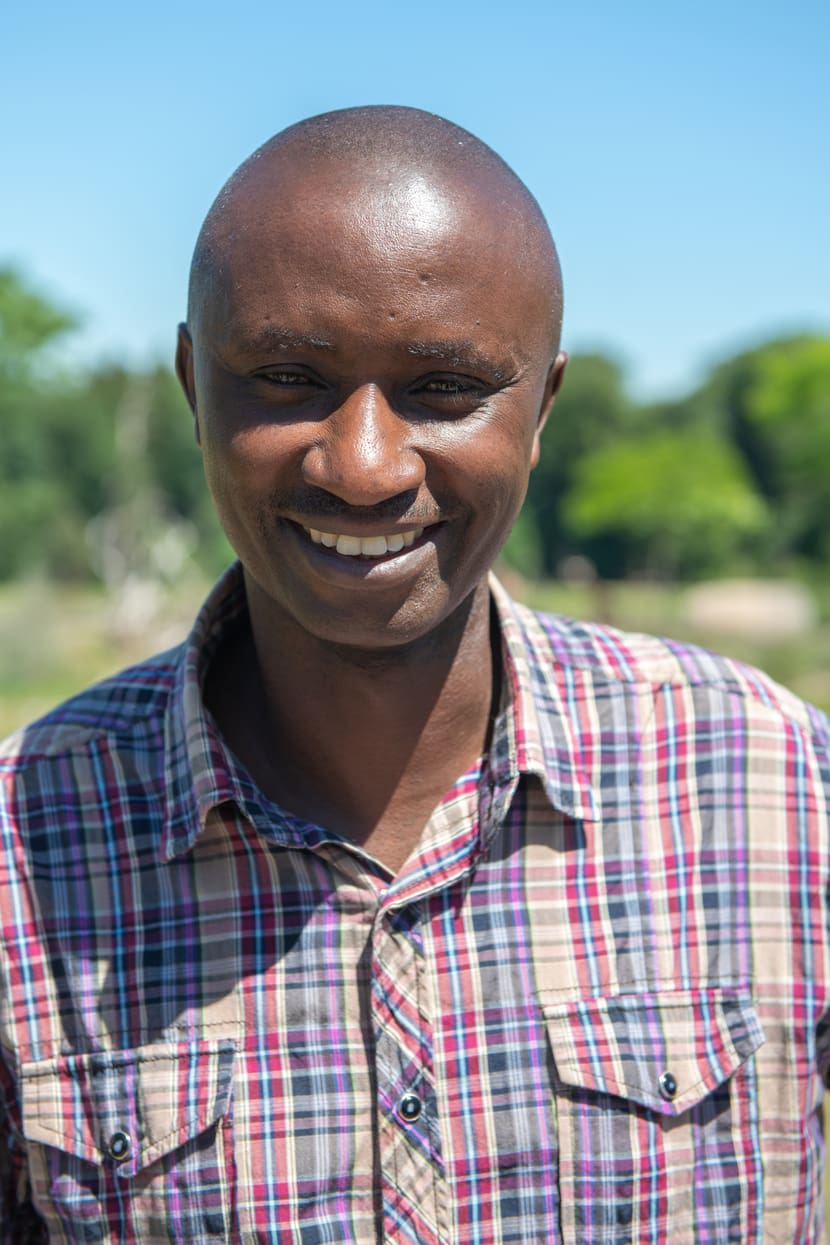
371 635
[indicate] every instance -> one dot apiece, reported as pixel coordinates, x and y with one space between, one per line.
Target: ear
184 371
553 382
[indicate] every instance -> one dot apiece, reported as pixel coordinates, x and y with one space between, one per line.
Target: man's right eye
283 378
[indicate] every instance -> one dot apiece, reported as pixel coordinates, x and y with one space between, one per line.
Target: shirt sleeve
20 1223
822 732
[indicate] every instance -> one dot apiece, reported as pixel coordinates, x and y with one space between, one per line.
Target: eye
452 394
448 386
285 378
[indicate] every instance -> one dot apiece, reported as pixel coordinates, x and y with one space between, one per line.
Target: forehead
327 247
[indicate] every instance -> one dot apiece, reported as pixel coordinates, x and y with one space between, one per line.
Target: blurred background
680 155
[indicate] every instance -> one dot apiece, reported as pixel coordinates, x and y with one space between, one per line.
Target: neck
364 743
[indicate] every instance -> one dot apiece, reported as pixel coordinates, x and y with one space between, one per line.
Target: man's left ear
553 382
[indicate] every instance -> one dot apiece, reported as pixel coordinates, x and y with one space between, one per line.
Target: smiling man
370 356
384 910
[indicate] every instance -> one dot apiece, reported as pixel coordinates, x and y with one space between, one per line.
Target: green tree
680 501
38 512
591 411
28 323
102 459
773 404
788 408
106 459
155 512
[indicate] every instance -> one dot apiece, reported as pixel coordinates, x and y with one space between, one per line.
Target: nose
363 454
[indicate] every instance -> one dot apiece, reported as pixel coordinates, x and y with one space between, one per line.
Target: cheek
245 460
495 461
491 486
237 480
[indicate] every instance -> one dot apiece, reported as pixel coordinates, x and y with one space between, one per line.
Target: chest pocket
657 1117
133 1145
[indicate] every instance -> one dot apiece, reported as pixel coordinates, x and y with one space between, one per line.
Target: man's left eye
446 386
451 387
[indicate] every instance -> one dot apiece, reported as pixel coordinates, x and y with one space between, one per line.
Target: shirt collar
199 771
536 730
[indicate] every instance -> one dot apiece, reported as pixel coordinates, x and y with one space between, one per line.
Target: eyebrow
278 337
461 352
452 352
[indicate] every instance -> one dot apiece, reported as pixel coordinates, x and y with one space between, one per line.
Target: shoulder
658 667
121 708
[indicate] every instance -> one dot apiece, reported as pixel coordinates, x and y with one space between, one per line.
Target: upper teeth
367 546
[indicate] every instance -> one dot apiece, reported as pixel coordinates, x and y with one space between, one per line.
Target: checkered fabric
592 1007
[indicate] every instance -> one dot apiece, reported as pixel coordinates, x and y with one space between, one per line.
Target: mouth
370 547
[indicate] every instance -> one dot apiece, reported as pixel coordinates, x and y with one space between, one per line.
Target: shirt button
119 1146
668 1086
409 1108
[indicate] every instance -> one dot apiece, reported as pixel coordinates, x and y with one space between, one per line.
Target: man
383 909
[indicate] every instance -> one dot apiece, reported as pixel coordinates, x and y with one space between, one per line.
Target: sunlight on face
412 206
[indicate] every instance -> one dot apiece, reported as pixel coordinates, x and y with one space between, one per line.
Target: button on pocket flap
127 1107
665 1051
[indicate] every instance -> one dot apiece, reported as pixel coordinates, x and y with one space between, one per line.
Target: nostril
363 470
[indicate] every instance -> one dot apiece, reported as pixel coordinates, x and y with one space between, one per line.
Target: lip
363 530
358 569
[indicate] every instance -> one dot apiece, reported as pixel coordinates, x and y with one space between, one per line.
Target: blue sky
679 151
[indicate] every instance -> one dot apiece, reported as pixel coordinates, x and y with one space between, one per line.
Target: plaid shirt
592 1007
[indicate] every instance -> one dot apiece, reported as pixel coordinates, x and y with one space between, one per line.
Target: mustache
314 503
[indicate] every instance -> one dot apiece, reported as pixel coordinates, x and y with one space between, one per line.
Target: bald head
399 172
374 321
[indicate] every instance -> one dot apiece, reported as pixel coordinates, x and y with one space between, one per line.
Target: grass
55 640
801 663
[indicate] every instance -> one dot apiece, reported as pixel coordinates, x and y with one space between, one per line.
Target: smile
365 546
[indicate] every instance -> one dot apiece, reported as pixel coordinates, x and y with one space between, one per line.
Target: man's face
369 382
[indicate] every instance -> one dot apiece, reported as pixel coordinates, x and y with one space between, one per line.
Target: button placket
408 1134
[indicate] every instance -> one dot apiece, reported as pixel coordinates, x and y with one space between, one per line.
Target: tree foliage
100 474
678 499
788 409
90 457
28 323
733 475
591 411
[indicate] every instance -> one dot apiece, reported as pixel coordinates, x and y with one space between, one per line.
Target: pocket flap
665 1051
127 1107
